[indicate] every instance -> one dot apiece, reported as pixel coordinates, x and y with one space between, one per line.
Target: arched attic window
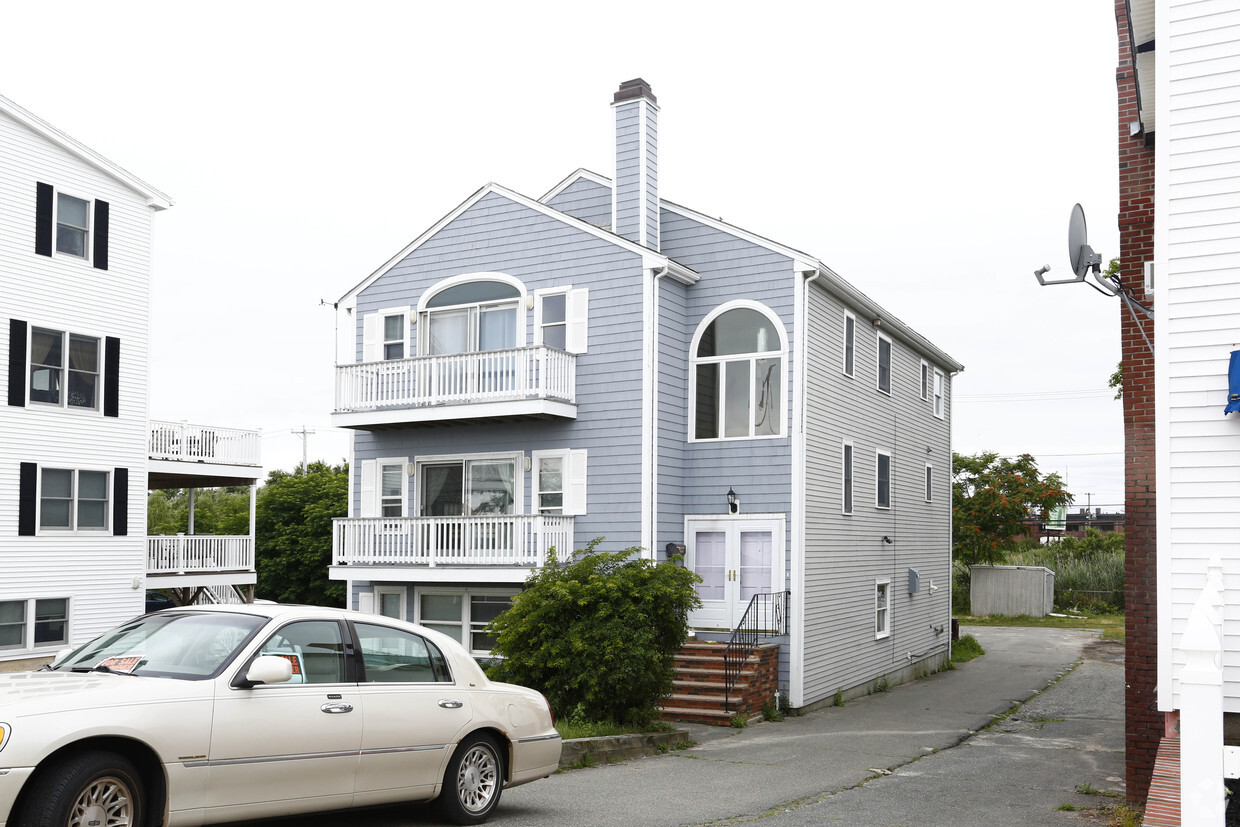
737 362
471 316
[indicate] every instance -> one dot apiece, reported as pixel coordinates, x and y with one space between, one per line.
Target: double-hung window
938 394
882 608
738 376
559 481
71 226
462 615
73 500
394 327
850 343
882 493
392 481
64 369
34 623
884 364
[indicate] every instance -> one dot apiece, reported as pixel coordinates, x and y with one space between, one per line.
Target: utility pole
304 433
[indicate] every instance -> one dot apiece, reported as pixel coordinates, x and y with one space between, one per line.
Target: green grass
966 649
1112 625
578 729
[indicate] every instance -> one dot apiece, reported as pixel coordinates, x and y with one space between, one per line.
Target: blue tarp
1233 384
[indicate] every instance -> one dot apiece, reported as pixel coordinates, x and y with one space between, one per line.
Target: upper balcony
535 381
202 456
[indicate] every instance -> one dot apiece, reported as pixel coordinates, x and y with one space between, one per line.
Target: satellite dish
1081 255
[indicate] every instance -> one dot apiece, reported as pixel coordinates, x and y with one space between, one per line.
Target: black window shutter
101 235
43 219
17 362
120 502
28 485
111 376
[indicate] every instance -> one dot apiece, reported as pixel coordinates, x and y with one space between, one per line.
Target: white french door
736 559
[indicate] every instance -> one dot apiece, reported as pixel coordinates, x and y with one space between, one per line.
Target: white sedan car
210 714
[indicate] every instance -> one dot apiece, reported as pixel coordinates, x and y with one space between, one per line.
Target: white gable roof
154 198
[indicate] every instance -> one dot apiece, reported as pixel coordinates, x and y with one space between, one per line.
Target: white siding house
529 375
75 437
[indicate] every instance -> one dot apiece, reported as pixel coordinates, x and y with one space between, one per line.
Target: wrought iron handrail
766 616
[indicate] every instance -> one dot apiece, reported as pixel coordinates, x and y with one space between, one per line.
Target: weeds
839 697
966 649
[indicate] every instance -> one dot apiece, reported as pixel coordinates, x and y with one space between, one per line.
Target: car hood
29 693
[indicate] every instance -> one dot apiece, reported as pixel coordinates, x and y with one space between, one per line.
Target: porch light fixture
734 505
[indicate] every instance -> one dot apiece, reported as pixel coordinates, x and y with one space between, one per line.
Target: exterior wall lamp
734 503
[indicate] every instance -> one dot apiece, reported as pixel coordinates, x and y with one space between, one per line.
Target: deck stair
698 694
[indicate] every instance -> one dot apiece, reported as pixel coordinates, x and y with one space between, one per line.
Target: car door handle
450 703
336 708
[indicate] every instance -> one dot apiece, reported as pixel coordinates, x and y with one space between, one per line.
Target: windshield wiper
103 668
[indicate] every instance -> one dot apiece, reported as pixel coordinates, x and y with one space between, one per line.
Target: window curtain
491 487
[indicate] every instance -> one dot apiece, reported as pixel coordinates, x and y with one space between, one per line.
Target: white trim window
929 483
65 369
882 479
73 500
559 482
736 391
847 461
34 623
925 380
884 363
468 486
385 487
390 602
462 614
939 383
882 608
560 318
471 315
850 343
72 226
385 335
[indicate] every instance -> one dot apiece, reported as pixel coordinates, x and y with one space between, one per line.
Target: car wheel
94 788
473 781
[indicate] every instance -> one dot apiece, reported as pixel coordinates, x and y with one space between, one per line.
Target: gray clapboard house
531 374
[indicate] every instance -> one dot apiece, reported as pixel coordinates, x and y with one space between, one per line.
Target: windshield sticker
128 663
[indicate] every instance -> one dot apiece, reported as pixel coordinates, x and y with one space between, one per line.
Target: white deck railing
461 378
204 443
196 553
502 540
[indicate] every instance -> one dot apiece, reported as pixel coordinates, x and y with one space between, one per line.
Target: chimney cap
633 89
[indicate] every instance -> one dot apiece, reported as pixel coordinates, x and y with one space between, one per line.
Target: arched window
470 316
738 375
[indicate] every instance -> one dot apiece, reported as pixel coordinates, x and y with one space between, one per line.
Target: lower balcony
495 548
203 559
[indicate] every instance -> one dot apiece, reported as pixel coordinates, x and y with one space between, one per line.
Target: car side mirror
266 669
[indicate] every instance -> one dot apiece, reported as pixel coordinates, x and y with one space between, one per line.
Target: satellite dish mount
1082 258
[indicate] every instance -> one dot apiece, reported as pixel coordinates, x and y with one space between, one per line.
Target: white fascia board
650 259
480 576
573 178
154 198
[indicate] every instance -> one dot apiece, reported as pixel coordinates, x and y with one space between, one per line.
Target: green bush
1089 571
597 634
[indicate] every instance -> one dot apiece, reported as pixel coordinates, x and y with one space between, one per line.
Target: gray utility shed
1011 590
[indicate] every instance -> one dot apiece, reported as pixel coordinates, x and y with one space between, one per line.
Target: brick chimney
635 194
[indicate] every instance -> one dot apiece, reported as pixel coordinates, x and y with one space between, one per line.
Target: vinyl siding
95 570
845 555
1197 294
498 235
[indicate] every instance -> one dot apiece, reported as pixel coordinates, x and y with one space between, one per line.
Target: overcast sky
930 153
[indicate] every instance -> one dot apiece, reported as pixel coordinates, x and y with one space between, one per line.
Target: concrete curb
608 749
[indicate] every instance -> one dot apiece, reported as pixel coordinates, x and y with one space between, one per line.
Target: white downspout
650 486
796 648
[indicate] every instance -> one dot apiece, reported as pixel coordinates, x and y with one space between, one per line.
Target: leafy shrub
966 649
1089 571
597 634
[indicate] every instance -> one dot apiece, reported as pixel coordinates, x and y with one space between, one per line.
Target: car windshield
169 644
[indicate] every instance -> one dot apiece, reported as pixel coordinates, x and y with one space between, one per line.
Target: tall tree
992 496
294 534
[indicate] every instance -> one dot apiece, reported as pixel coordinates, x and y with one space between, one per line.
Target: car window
171 644
396 656
313 647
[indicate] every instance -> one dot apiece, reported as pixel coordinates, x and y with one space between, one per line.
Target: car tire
90 788
473 781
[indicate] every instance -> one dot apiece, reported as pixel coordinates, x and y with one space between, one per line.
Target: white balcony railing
457 379
202 443
501 540
196 553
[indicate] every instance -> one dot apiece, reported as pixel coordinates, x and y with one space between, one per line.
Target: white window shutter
372 337
369 495
575 487
366 602
576 313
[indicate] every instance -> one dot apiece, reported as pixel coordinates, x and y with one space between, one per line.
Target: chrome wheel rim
477 779
106 802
